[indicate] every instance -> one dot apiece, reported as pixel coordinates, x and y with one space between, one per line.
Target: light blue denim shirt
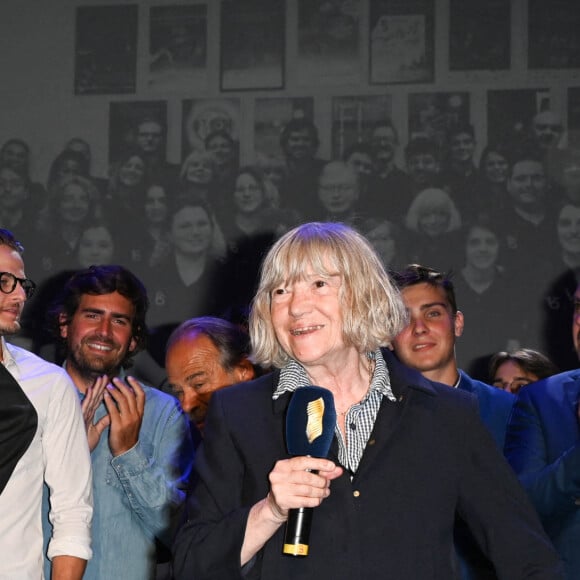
138 495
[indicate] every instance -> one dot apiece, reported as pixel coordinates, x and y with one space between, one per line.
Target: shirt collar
293 376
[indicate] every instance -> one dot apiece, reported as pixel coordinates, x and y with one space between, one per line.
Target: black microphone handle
297 533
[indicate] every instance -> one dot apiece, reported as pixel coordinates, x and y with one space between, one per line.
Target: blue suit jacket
495 406
543 446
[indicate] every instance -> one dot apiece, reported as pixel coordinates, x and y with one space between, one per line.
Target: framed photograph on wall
200 117
510 113
105 50
328 40
401 46
253 40
553 38
479 35
353 119
270 117
178 46
124 118
433 114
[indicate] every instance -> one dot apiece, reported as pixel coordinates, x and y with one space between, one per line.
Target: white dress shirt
59 455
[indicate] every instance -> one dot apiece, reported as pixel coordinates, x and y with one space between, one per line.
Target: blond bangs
372 309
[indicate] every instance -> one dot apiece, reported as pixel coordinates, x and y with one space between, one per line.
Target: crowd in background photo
195 233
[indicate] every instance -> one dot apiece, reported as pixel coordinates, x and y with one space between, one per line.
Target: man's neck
300 164
448 375
385 170
463 168
533 214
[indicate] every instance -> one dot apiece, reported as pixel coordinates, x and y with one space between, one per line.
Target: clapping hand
91 402
125 401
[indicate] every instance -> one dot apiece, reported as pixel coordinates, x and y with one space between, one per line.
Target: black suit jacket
429 458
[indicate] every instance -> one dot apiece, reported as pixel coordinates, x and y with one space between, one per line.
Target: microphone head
310 422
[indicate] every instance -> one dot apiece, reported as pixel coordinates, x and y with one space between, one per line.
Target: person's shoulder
31 364
552 386
158 398
403 378
481 389
161 409
265 383
249 393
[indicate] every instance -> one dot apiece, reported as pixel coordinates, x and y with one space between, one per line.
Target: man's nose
104 328
19 292
418 326
189 400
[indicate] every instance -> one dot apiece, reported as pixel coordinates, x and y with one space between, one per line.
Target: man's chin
97 367
10 329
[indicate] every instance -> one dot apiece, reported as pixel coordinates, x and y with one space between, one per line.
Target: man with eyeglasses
41 441
338 194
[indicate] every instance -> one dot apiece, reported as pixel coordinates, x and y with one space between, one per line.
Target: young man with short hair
427 344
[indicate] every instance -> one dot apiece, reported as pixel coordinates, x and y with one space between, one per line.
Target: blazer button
371 441
356 493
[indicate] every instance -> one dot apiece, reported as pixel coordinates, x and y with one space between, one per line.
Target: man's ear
132 345
458 323
245 371
63 325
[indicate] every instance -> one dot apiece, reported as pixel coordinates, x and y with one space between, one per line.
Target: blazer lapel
404 384
571 390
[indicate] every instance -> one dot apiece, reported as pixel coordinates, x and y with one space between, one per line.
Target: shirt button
352 427
356 493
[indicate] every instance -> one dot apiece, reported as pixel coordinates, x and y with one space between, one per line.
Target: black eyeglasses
8 283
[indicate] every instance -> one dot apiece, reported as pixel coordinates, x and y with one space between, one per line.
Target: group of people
196 232
273 278
103 476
